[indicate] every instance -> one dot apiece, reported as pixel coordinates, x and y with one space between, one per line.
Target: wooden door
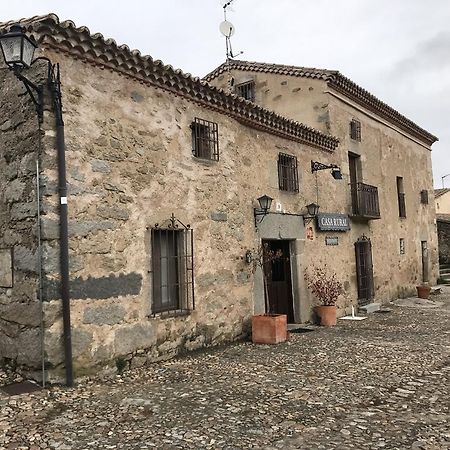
364 269
279 284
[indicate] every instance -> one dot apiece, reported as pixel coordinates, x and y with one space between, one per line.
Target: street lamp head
17 48
265 202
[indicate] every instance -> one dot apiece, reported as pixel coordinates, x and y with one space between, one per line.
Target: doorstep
370 308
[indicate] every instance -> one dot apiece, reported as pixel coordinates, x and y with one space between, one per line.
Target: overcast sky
399 50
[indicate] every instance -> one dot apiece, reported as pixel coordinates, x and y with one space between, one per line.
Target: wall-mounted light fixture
248 256
313 210
335 170
265 202
18 52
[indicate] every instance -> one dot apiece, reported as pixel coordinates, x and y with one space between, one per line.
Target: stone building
164 171
385 160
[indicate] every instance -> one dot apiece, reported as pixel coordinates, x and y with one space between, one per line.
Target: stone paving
381 383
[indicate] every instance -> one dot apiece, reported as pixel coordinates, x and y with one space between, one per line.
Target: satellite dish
226 28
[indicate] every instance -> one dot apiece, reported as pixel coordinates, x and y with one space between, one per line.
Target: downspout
39 251
55 88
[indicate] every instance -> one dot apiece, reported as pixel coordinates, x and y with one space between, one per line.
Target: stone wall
20 312
443 228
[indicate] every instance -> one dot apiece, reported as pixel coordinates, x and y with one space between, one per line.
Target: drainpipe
55 88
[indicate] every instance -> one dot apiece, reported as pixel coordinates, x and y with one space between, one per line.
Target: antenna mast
227 30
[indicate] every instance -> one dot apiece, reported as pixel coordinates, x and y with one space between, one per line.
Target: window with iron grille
172 269
205 139
355 130
287 173
424 197
246 90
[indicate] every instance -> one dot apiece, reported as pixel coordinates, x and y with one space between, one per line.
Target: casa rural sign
333 221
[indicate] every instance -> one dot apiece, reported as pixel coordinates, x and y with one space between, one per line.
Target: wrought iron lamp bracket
316 165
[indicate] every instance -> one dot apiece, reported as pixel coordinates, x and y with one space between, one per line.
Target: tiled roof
339 83
439 192
443 217
106 54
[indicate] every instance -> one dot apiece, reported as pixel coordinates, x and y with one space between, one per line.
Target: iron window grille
287 173
355 130
246 90
205 139
402 246
424 197
172 268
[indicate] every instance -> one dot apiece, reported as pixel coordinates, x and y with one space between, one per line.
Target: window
172 269
246 90
401 198
402 246
424 197
287 173
355 130
205 139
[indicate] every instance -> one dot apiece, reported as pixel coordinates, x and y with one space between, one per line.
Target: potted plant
267 328
326 288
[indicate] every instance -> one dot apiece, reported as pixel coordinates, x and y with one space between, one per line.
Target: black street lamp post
18 51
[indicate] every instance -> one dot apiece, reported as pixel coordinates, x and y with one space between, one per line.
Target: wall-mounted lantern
17 48
248 256
335 170
313 210
265 202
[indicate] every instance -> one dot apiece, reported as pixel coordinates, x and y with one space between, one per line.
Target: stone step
370 308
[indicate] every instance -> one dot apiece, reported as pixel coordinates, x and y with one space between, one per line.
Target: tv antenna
227 29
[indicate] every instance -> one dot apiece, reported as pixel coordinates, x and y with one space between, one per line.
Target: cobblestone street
381 383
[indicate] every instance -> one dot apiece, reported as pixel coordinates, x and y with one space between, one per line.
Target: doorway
279 282
364 270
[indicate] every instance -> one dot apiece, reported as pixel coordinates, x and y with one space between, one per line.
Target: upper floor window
401 198
172 270
205 139
355 130
424 197
246 90
287 173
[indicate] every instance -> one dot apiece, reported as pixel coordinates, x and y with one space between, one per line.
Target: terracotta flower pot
269 328
327 315
423 291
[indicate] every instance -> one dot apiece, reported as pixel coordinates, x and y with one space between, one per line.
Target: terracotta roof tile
338 82
440 192
106 53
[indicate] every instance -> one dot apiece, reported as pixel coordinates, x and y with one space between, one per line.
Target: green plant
121 364
324 285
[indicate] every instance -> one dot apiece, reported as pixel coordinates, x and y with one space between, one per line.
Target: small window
172 269
402 246
424 197
401 198
205 139
287 173
246 90
355 130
